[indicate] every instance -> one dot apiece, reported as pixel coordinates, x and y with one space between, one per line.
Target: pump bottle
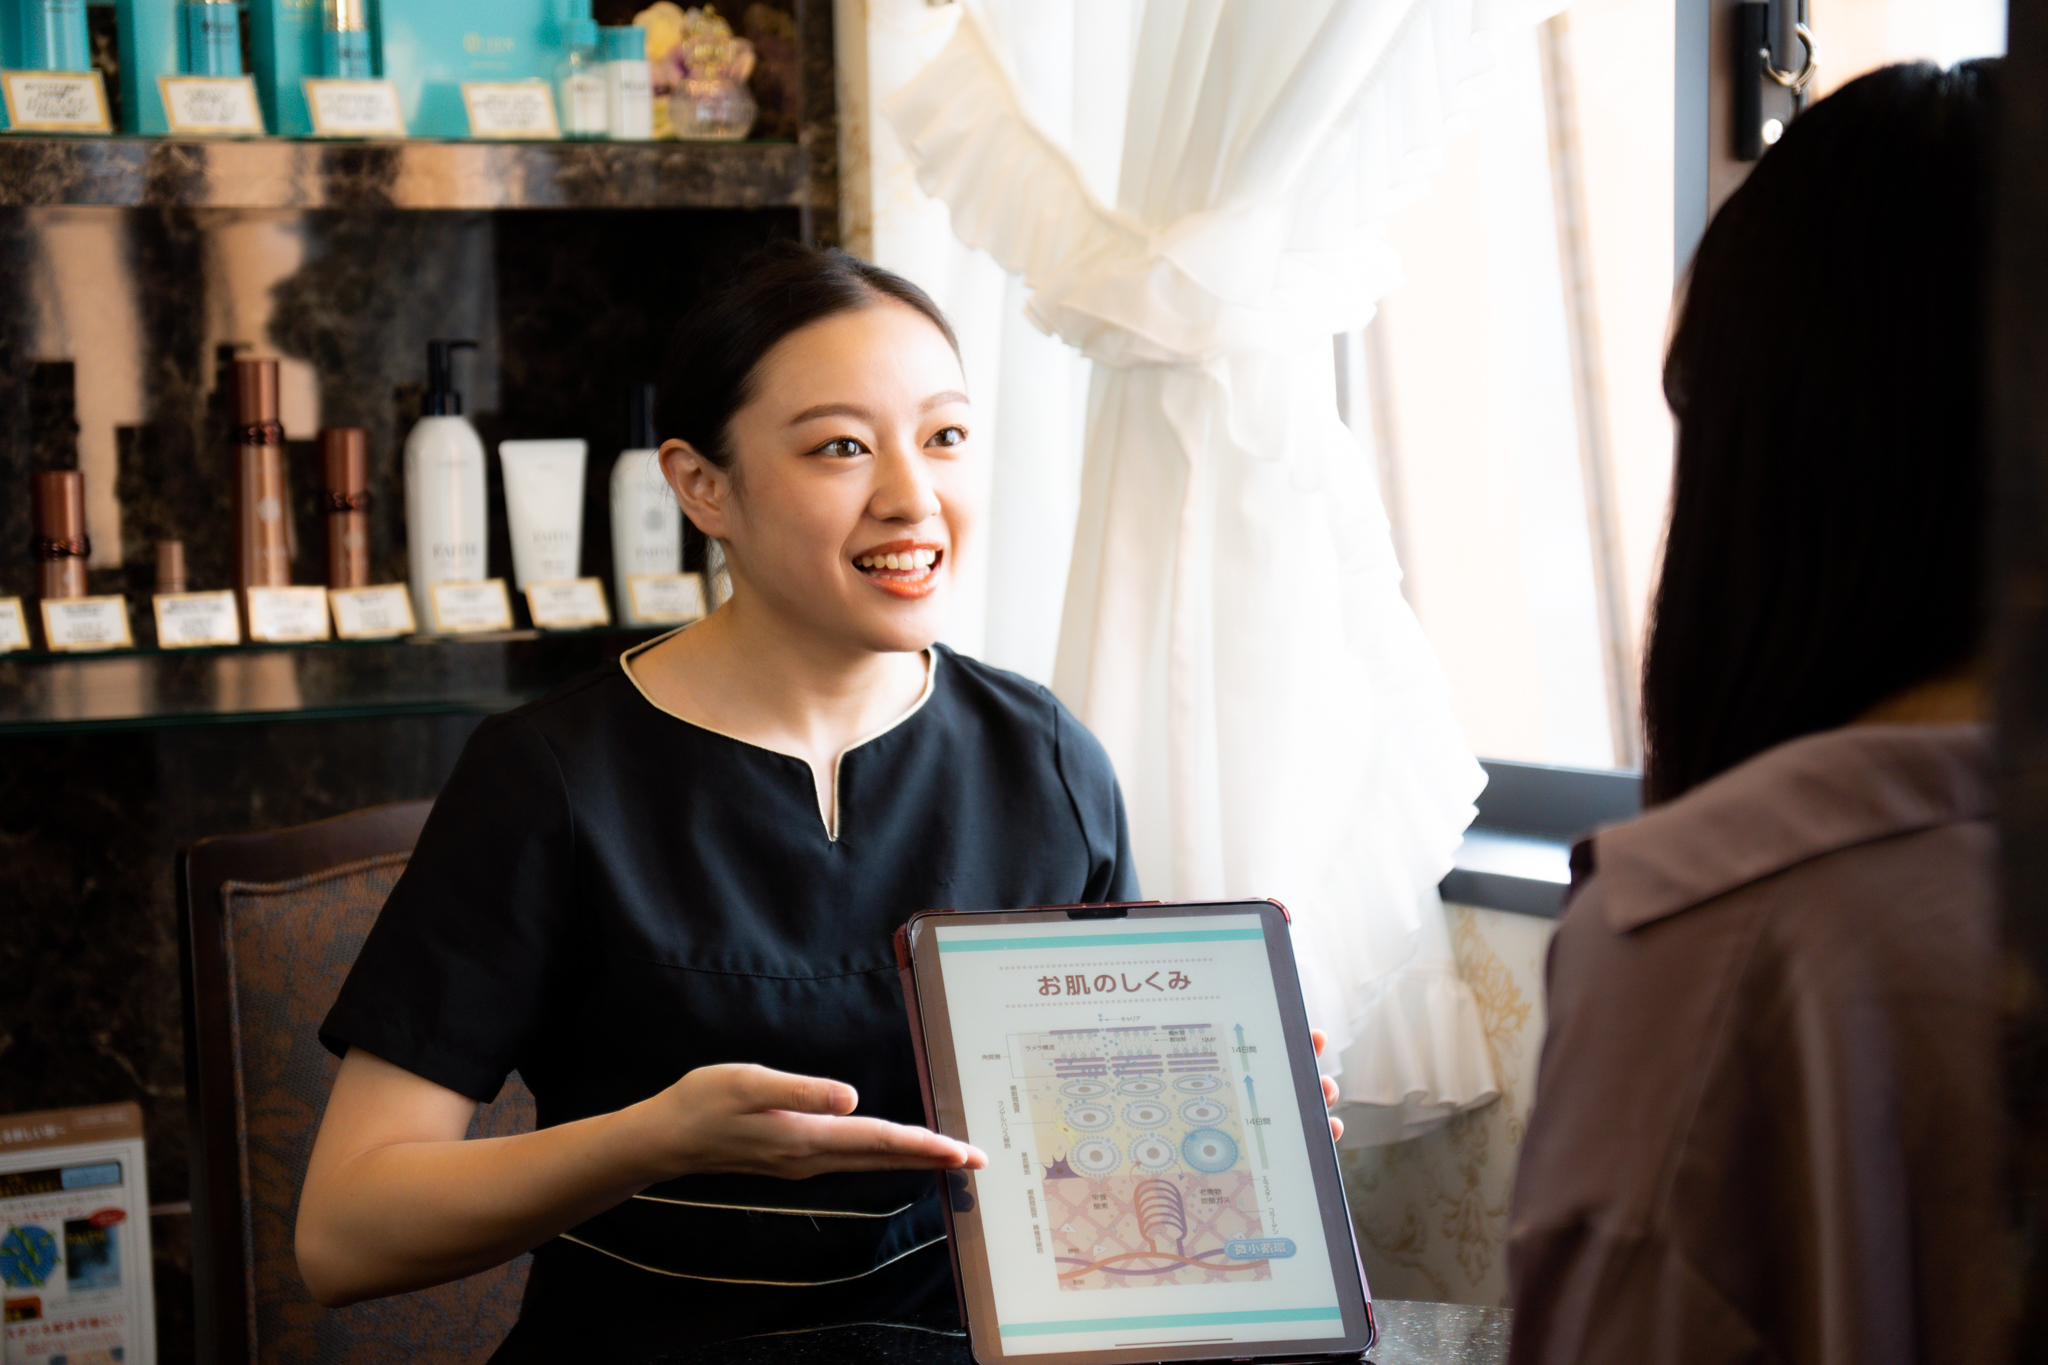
446 530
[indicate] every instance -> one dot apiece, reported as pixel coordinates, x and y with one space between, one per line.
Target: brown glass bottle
345 456
61 544
262 543
170 567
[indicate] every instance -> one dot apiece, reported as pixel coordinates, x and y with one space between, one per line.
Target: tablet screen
1149 1182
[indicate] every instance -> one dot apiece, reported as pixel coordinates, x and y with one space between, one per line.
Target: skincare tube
263 556
213 38
345 458
345 43
53 31
61 543
170 566
544 503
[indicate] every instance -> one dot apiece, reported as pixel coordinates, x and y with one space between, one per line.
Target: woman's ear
703 490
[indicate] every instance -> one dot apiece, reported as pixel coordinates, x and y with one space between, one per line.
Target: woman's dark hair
1827 512
710 370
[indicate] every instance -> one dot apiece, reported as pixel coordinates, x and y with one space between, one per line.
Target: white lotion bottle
647 524
628 84
447 527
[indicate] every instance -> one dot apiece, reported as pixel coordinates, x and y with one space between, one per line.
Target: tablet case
952 1184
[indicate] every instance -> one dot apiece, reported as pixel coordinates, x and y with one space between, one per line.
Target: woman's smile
903 568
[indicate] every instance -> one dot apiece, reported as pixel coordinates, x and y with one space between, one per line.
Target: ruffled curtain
1233 628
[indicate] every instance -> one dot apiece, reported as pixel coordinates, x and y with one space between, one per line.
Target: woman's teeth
908 560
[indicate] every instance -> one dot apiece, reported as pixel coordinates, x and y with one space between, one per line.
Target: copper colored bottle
263 557
345 455
61 544
170 566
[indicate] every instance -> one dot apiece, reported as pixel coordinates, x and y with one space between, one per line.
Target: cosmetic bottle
628 87
580 78
53 35
445 527
61 543
170 567
263 556
345 459
544 507
647 525
213 38
345 42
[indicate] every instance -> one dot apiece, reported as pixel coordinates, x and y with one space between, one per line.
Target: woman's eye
948 436
844 447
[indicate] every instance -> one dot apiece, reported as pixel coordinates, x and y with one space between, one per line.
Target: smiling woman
664 894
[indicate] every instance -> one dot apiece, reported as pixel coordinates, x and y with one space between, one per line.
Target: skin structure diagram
1151 1148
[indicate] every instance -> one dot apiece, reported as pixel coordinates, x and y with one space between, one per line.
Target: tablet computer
1161 1183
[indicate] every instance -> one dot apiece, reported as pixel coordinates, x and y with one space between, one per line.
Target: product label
13 625
559 606
372 613
186 620
665 598
55 101
211 106
287 615
509 109
354 108
80 623
467 608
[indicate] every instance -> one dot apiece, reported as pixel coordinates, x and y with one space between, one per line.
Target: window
1510 390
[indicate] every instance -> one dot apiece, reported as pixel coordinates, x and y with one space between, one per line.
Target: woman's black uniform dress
607 896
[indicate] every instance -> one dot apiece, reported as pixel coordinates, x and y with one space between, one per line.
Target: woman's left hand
1322 1040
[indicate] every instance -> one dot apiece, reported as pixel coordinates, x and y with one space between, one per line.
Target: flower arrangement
699 70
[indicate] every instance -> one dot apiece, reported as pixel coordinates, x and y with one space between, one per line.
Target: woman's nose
903 487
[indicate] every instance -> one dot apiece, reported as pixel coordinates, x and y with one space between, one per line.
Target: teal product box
42 35
432 46
148 35
10 45
285 48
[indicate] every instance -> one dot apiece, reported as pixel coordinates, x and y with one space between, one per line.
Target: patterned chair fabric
289 945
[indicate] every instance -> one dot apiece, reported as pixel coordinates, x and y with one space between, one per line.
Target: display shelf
121 689
277 173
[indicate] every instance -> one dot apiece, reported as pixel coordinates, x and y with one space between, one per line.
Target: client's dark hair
718 345
1828 507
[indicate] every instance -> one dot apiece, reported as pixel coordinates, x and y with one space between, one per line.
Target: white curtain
1233 628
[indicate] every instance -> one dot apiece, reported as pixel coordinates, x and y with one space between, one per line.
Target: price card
186 620
79 623
211 106
372 613
666 598
55 101
13 625
354 108
467 608
578 602
287 615
510 109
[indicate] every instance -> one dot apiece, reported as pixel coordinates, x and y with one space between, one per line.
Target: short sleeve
1099 805
468 951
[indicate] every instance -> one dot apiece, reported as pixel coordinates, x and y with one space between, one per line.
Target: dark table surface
1410 1334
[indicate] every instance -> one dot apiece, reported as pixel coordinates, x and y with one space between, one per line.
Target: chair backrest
270 924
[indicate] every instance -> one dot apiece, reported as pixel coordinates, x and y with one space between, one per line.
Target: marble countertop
1410 1334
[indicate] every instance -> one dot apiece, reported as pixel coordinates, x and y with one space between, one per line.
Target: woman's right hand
743 1119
